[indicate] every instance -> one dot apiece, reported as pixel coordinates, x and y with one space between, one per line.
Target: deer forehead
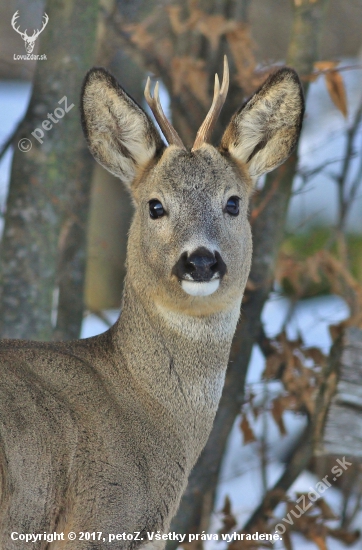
184 176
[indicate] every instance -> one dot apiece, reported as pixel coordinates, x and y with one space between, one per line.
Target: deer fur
101 434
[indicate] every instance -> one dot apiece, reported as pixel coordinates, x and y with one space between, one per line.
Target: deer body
101 434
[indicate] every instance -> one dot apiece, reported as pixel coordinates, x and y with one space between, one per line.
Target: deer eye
156 209
232 206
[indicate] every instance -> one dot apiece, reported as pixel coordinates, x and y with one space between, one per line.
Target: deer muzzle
200 272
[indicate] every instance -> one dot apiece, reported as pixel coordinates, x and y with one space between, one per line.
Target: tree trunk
111 208
43 247
268 227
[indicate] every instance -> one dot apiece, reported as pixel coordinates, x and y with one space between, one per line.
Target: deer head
29 40
190 241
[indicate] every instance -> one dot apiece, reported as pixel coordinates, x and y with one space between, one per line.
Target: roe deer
100 434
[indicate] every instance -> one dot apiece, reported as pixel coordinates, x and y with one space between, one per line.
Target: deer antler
155 105
45 22
218 101
13 22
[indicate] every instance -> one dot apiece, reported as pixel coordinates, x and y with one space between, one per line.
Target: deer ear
120 135
263 133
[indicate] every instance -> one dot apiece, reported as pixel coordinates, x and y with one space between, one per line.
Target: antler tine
218 101
155 105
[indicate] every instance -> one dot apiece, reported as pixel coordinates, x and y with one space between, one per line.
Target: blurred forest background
292 400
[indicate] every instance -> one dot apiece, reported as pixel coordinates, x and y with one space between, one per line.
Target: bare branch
9 141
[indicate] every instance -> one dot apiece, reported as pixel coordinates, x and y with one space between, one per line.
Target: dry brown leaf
226 510
195 14
242 48
277 414
273 365
299 274
228 520
325 65
319 68
316 355
177 25
289 380
301 382
326 510
140 35
293 271
248 433
290 402
190 73
319 540
213 27
341 281
334 83
288 348
336 90
312 265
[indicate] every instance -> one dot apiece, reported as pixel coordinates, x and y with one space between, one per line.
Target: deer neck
180 360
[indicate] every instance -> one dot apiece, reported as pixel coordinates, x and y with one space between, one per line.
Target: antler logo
29 40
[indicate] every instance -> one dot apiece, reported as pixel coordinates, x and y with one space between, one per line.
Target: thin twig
9 141
345 199
264 442
313 75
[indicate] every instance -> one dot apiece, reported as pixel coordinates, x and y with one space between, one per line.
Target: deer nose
200 266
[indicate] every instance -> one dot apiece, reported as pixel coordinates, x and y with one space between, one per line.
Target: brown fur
101 434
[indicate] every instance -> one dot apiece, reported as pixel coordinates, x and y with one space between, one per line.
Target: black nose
199 266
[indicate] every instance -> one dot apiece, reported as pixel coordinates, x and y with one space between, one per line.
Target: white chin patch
200 289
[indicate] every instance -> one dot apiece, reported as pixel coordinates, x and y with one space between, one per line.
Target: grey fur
101 434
